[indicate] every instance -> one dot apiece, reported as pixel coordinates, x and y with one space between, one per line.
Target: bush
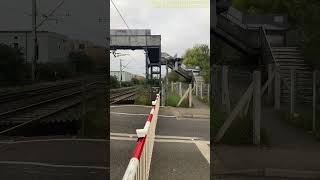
114 83
143 98
81 62
173 99
12 66
204 99
136 81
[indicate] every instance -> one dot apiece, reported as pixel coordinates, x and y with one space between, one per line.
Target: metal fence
291 92
139 165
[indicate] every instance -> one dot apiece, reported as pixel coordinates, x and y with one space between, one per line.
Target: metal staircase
238 35
174 63
254 41
289 58
181 71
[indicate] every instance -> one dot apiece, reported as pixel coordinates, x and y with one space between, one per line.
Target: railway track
120 94
35 105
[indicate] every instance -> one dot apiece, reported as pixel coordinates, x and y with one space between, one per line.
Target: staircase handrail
232 24
265 40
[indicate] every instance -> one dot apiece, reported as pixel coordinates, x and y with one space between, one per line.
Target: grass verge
203 99
143 98
173 99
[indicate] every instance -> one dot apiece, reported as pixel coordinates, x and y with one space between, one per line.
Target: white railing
139 165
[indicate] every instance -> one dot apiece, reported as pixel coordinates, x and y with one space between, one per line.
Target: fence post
256 106
201 90
163 94
277 88
190 95
314 101
270 86
196 88
171 86
180 88
292 77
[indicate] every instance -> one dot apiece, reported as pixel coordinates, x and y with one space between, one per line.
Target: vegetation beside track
173 99
143 98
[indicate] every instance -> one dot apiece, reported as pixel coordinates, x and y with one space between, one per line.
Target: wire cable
120 14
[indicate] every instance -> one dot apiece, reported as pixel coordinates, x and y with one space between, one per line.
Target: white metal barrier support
139 165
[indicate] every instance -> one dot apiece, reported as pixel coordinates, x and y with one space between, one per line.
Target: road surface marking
131 105
204 149
178 139
131 114
156 140
119 106
50 140
51 165
157 136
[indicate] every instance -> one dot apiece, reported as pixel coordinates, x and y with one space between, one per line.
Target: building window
16 37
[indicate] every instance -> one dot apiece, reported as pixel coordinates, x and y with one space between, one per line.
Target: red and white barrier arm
139 165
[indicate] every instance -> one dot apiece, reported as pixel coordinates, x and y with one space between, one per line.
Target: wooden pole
277 85
183 97
243 100
180 89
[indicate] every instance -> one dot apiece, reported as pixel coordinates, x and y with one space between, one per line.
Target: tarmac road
181 149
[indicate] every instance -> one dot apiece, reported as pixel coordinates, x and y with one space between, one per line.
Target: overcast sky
82 24
180 28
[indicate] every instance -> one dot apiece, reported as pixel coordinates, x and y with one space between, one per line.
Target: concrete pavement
289 154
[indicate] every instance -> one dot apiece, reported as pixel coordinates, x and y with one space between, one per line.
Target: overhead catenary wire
114 5
125 22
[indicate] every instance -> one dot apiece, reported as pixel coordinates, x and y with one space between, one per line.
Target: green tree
136 81
199 55
12 66
303 16
82 62
114 83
